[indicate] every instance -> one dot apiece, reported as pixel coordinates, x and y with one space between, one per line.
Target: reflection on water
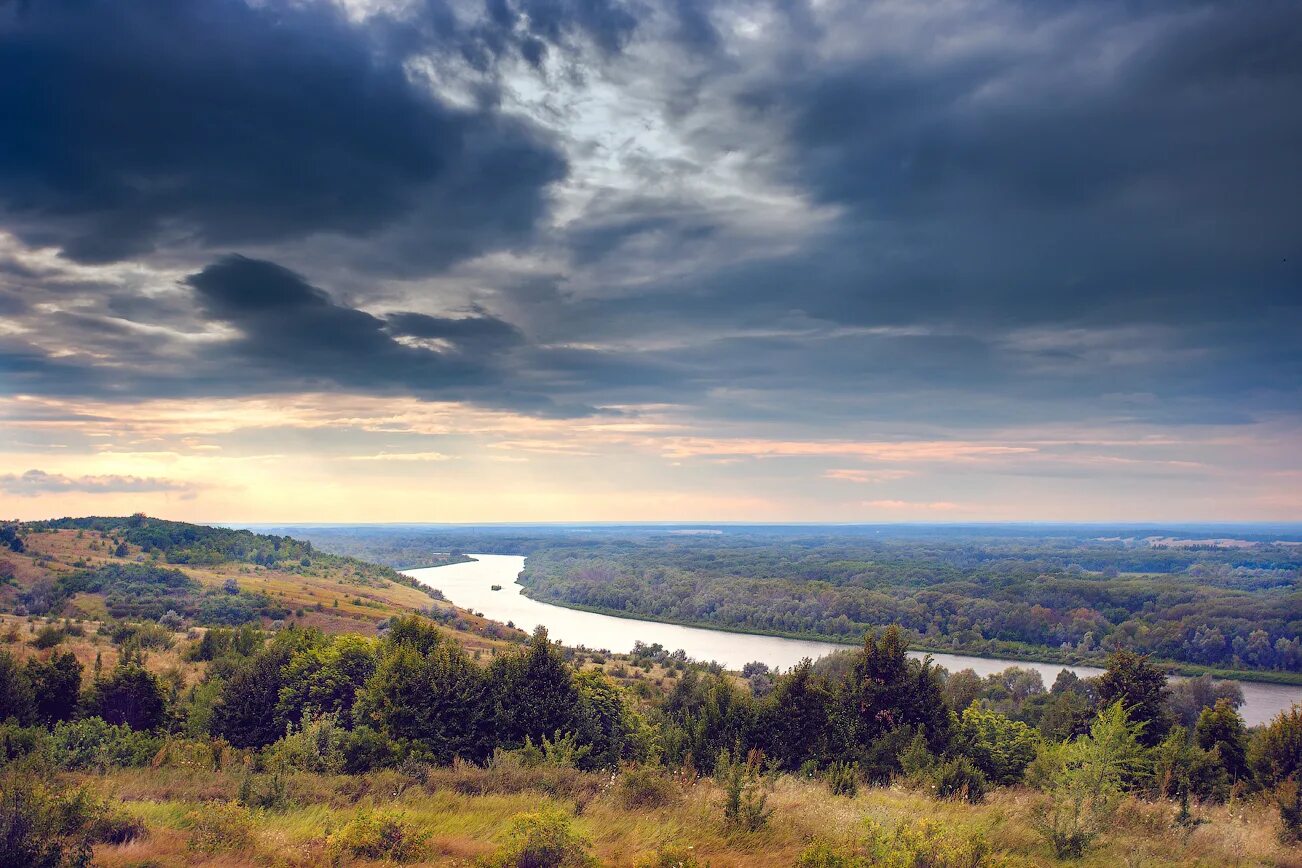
469 585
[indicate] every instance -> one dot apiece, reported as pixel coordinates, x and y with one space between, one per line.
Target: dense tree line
1234 607
301 699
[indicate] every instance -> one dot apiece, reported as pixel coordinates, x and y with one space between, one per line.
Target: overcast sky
503 260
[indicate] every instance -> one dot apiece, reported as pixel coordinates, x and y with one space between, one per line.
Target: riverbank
1016 654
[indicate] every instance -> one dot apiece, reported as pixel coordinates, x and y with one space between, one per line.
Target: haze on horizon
548 260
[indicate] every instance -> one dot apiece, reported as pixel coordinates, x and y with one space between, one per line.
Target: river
469 585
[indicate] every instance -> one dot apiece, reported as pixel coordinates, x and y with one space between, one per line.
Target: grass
461 827
362 601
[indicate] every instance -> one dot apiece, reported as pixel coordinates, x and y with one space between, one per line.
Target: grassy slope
363 602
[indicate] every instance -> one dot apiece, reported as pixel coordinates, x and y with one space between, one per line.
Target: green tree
707 714
1001 748
794 719
248 713
1220 728
325 679
888 693
534 693
1275 754
1084 780
130 696
16 699
438 703
56 687
1141 689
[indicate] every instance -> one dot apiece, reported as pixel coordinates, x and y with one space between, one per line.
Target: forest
1053 599
1225 599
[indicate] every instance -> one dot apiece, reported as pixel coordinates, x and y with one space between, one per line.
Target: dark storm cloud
1142 166
131 126
1025 211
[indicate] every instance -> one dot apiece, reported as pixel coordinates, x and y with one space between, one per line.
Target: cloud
866 476
936 506
402 456
276 123
35 483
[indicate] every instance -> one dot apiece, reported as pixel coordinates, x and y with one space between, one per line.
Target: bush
744 794
1288 797
1084 781
543 840
48 636
646 786
920 843
317 746
843 779
220 826
93 743
959 778
377 835
44 828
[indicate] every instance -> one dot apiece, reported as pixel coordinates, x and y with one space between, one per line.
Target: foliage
220 826
842 779
373 834
959 778
42 826
1275 754
130 695
1141 689
1221 729
999 747
546 839
1084 779
16 698
317 745
745 791
908 845
55 686
643 787
794 718
92 743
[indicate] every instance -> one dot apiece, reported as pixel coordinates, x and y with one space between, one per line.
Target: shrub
843 779
17 741
220 826
29 832
48 636
377 835
271 797
959 778
1288 797
920 843
93 743
316 746
44 828
1083 780
645 786
1001 748
744 794
543 840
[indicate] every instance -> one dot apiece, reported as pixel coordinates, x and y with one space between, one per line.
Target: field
463 813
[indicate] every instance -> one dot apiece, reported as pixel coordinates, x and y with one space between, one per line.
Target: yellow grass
463 827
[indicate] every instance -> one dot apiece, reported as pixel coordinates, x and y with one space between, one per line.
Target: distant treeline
1047 598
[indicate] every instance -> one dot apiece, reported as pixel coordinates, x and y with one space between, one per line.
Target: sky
675 260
